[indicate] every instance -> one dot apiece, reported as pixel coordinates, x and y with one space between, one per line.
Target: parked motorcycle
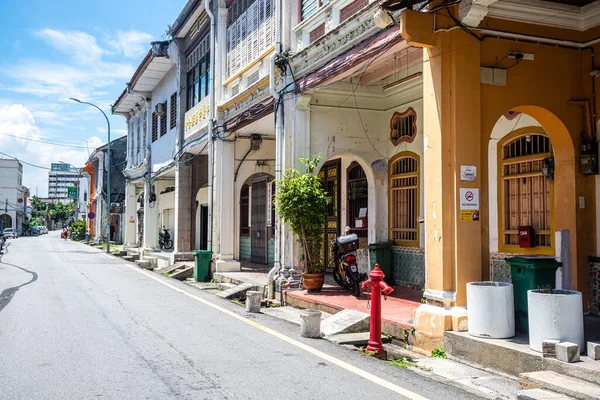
164 239
345 273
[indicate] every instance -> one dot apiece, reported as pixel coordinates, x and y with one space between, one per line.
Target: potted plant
300 202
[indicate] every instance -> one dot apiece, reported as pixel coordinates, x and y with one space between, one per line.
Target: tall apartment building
61 177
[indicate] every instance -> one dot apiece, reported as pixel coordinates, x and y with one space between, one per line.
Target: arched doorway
5 221
257 219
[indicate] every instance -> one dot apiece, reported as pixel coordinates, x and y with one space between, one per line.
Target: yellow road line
349 367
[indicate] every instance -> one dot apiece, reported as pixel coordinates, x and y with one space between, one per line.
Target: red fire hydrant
378 287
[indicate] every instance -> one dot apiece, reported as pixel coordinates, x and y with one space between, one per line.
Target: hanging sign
469 204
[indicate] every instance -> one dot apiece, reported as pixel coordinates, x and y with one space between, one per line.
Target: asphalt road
78 324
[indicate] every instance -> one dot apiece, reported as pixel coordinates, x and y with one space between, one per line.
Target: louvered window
154 127
173 116
138 143
244 211
163 121
198 74
526 193
309 7
404 199
144 131
250 32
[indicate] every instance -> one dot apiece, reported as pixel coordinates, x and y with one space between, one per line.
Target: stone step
238 292
355 339
540 394
182 273
346 321
144 264
225 285
128 258
290 314
122 253
554 382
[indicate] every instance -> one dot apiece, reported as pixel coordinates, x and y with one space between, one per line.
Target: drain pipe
278 146
211 116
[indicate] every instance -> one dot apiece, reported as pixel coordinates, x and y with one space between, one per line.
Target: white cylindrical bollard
491 309
555 315
310 324
253 301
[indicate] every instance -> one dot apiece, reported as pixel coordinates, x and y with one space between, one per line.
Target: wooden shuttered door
527 194
404 200
250 32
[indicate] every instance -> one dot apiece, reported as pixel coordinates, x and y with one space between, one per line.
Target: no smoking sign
469 199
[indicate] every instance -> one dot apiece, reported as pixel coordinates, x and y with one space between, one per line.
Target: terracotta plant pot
313 282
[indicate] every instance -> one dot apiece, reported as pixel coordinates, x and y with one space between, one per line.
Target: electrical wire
45 141
25 162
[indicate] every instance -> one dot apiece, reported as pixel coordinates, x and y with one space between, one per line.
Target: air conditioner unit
160 109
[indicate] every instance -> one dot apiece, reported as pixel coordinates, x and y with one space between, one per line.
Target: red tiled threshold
397 311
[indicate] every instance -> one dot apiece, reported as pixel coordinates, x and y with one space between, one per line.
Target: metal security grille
403 127
154 127
173 116
526 192
258 225
404 200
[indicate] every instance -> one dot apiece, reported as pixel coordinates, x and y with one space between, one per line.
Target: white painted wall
502 128
163 148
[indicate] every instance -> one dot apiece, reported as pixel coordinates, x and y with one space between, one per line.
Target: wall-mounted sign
91 215
468 173
197 117
469 204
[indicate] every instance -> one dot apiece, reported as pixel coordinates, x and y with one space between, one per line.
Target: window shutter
173 119
154 127
145 131
308 8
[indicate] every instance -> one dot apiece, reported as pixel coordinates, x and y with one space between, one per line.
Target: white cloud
131 44
17 120
80 46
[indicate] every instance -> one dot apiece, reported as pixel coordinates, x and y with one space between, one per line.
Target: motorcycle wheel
169 244
336 276
356 289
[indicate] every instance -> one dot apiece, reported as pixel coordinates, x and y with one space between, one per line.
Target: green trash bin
202 265
528 273
381 253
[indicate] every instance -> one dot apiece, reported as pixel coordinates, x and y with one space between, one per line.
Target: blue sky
53 50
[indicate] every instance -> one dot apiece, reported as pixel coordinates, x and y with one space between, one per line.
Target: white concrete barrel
253 299
491 309
310 324
555 315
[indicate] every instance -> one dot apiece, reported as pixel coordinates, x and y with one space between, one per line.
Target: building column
452 125
130 216
183 210
150 219
223 209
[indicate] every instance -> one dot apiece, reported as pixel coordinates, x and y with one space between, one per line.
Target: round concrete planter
556 315
491 310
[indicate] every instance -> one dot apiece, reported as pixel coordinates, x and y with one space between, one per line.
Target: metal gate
329 175
259 222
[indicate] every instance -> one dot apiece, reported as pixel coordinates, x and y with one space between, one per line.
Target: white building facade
12 199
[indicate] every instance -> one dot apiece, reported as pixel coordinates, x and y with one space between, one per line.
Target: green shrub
77 230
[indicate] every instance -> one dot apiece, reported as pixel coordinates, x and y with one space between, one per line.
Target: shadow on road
7 294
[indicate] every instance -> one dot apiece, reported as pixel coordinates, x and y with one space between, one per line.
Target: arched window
244 211
526 193
404 199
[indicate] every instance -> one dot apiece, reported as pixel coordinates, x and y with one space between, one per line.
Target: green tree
300 201
60 212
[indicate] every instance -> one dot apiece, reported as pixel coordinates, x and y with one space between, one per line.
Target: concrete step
225 286
122 253
144 264
129 258
540 394
238 291
554 382
182 273
346 321
289 314
355 339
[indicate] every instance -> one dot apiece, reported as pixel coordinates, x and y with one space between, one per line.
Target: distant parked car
43 229
36 231
10 233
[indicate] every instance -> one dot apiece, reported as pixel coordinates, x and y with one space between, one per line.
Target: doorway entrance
258 222
329 174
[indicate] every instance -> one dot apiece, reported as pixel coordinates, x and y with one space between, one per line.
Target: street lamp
107 173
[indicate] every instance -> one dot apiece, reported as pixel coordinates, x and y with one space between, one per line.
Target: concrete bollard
253 301
310 324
